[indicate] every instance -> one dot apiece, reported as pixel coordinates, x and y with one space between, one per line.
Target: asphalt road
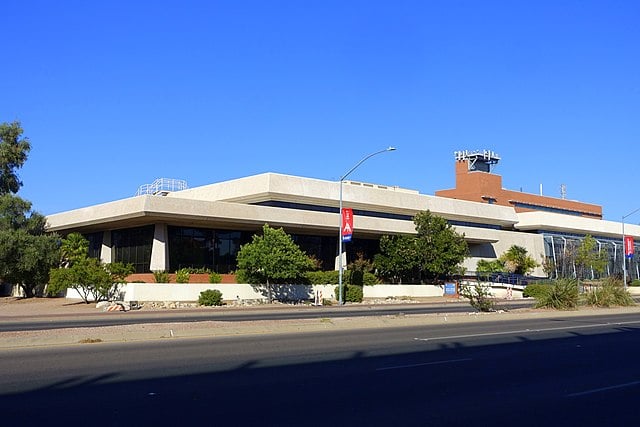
237 315
544 371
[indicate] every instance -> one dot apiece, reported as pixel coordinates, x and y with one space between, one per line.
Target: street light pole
342 178
624 255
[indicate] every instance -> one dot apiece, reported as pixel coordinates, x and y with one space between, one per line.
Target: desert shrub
215 277
350 293
610 293
183 275
210 297
535 290
161 276
479 296
562 295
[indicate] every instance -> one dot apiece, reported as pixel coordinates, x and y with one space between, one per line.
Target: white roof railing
162 186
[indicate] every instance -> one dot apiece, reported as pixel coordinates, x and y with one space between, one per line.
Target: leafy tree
435 251
588 257
398 258
14 150
88 276
26 252
517 260
441 249
272 257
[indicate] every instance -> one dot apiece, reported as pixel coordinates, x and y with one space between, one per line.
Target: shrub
479 296
161 276
215 277
535 290
370 279
610 293
563 295
210 297
325 277
635 283
182 275
351 293
200 270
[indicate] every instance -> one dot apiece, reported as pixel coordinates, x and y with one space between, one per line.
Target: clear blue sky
113 94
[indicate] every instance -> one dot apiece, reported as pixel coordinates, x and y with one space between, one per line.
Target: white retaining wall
230 292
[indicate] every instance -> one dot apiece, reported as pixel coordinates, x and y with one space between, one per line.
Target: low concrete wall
188 292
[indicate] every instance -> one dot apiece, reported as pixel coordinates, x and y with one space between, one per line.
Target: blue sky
114 94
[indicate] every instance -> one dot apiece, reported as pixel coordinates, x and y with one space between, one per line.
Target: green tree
517 260
435 251
272 257
26 252
14 150
74 247
441 249
398 260
589 257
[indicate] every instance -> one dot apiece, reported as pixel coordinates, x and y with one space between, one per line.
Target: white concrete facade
489 229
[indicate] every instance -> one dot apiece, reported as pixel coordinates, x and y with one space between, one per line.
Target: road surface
555 370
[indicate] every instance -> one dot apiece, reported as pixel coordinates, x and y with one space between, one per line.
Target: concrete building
167 226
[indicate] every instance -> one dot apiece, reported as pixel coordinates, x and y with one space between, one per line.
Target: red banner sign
628 246
347 224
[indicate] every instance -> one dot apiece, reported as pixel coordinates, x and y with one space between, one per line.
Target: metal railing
162 186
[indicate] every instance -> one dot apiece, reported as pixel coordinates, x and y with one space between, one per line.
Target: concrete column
160 249
105 251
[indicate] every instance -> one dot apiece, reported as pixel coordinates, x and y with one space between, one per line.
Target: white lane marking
598 390
522 331
440 362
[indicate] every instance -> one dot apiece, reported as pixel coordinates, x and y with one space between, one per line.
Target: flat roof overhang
144 210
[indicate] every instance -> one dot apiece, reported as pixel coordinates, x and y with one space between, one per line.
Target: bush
610 293
331 277
324 277
635 283
161 276
183 275
200 270
370 279
563 295
535 290
210 297
215 277
351 293
479 296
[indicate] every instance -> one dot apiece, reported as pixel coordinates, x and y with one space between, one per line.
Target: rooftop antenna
563 191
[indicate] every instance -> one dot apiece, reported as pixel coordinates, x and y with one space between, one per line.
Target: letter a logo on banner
347 224
628 246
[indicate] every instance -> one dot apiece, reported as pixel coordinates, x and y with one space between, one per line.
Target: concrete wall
231 292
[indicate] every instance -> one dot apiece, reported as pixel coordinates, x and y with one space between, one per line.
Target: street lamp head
391 149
